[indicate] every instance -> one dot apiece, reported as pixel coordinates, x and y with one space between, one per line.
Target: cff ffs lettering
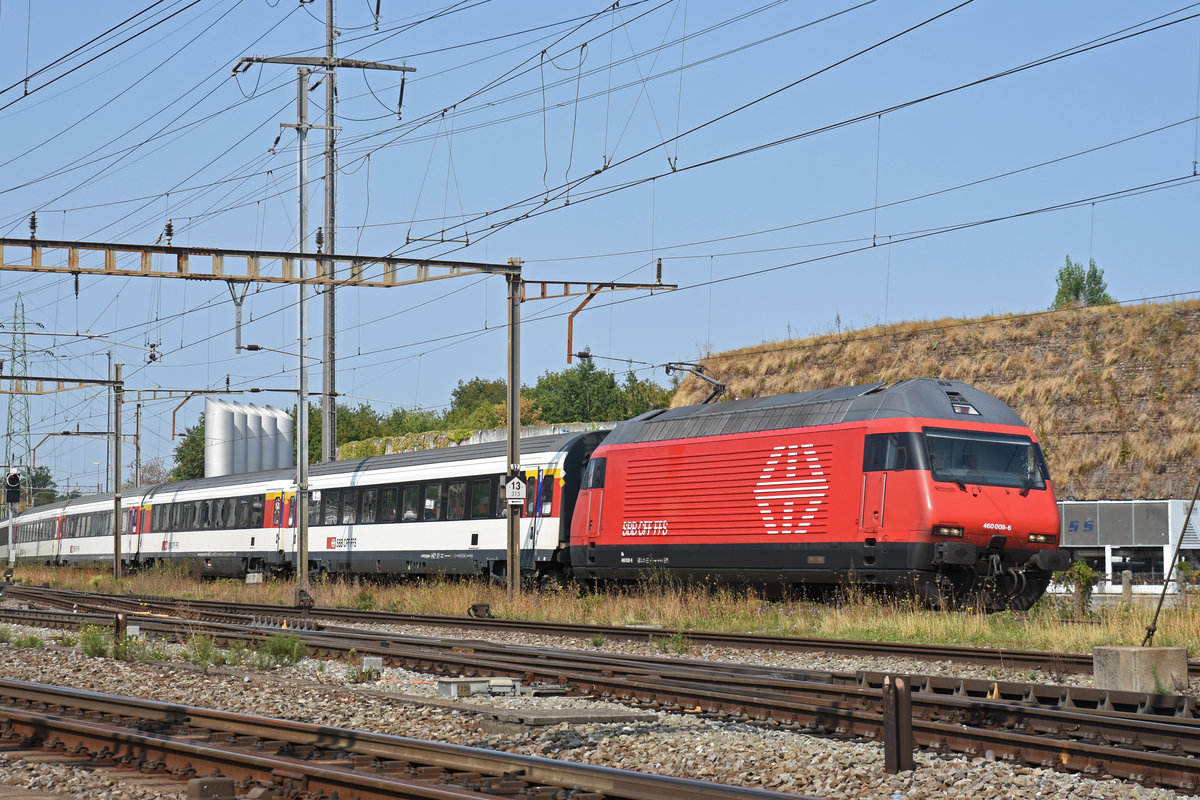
644 527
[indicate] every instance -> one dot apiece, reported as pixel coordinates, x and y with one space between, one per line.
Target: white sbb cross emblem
791 488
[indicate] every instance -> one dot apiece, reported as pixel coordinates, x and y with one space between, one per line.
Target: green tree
474 401
189 453
355 425
582 393
643 395
43 489
404 420
1077 287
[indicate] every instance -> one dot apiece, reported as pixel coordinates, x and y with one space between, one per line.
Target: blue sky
813 166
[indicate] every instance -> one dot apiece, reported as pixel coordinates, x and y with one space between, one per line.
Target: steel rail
1053 662
828 706
241 741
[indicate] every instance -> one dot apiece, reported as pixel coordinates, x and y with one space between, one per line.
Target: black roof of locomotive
917 397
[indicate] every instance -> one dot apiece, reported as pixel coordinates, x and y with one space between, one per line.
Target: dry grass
1113 393
659 602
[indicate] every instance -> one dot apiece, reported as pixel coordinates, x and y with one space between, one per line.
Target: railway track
1149 738
1051 663
186 742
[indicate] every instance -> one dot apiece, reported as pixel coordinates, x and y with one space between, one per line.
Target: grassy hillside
1112 392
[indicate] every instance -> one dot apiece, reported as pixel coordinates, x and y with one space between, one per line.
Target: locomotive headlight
948 530
1041 538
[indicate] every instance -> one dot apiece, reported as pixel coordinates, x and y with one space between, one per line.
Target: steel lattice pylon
17 450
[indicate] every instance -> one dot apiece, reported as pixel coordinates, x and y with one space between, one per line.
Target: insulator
320 239
658 272
169 231
33 225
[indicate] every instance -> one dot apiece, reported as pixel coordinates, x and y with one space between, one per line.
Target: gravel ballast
684 745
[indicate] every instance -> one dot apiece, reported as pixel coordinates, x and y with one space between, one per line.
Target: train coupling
1048 561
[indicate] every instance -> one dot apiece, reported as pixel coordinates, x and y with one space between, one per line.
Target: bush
364 600
356 673
29 640
1082 579
280 650
200 650
94 641
5 634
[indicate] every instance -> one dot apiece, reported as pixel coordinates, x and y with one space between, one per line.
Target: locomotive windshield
990 459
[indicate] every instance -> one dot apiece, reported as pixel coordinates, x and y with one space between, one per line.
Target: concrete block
254 577
1152 670
373 664
212 788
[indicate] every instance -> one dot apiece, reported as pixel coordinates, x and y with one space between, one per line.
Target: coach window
369 499
388 501
432 501
531 491
411 504
243 513
350 507
481 498
456 500
256 511
314 509
331 505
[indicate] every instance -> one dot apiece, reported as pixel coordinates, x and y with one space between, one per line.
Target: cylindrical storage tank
218 438
283 445
239 437
270 435
254 438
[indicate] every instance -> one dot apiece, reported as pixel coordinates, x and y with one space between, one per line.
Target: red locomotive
929 485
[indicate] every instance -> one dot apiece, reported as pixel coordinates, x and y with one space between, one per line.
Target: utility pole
329 359
513 566
118 396
302 74
327 268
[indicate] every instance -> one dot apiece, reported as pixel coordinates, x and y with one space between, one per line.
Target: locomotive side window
456 500
369 500
593 477
891 452
989 459
412 503
481 498
388 504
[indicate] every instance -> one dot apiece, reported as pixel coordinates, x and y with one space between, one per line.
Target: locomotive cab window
988 459
593 477
892 452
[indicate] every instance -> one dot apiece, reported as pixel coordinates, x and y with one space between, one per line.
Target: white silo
287 430
270 435
218 438
254 437
239 437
